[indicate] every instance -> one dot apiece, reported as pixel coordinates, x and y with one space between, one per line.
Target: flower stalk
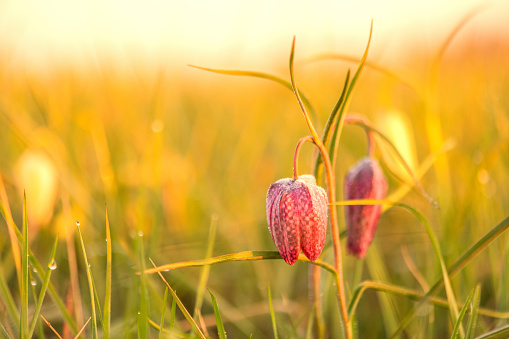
331 190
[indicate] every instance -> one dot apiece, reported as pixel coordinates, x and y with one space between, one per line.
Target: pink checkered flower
297 217
364 181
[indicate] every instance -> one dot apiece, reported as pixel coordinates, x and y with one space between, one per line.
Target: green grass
196 189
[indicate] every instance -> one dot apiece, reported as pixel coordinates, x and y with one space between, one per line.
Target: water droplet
34 269
77 223
140 233
89 266
106 240
33 282
139 313
53 265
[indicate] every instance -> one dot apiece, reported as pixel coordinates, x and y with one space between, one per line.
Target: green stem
331 189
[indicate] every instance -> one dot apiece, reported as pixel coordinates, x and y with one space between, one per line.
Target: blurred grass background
168 151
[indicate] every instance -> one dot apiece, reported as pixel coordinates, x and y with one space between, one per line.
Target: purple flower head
297 217
364 181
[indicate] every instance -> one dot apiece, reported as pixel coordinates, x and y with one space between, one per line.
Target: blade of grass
219 323
90 283
411 295
181 306
309 327
51 327
400 157
5 210
346 103
172 314
44 287
328 125
82 329
165 299
23 328
453 309
143 329
472 321
261 75
371 65
424 168
272 315
107 293
457 326
51 289
240 256
379 272
6 295
499 333
466 258
3 332
206 269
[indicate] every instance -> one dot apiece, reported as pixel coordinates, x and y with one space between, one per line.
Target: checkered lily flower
297 217
364 181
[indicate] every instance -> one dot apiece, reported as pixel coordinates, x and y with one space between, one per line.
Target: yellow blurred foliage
37 175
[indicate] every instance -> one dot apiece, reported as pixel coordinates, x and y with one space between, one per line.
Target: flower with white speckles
297 217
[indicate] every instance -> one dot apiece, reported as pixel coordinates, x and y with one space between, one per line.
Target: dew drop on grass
53 265
33 282
34 269
77 223
140 233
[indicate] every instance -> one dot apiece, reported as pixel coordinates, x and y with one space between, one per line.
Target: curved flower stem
356 119
331 189
296 156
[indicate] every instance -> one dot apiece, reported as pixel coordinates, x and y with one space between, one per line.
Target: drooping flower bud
364 181
297 217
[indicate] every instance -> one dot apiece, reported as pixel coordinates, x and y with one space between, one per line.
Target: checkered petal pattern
364 181
297 217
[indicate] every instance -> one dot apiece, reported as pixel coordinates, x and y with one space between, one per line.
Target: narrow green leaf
51 289
499 333
272 315
90 283
348 98
3 332
411 295
12 229
240 256
472 321
328 125
82 329
309 327
461 315
51 267
165 300
24 274
466 258
204 276
172 314
219 323
183 309
143 328
107 293
6 295
434 242
376 67
261 75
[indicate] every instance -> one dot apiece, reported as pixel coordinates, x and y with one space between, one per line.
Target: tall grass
170 150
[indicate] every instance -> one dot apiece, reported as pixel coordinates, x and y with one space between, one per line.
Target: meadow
124 167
